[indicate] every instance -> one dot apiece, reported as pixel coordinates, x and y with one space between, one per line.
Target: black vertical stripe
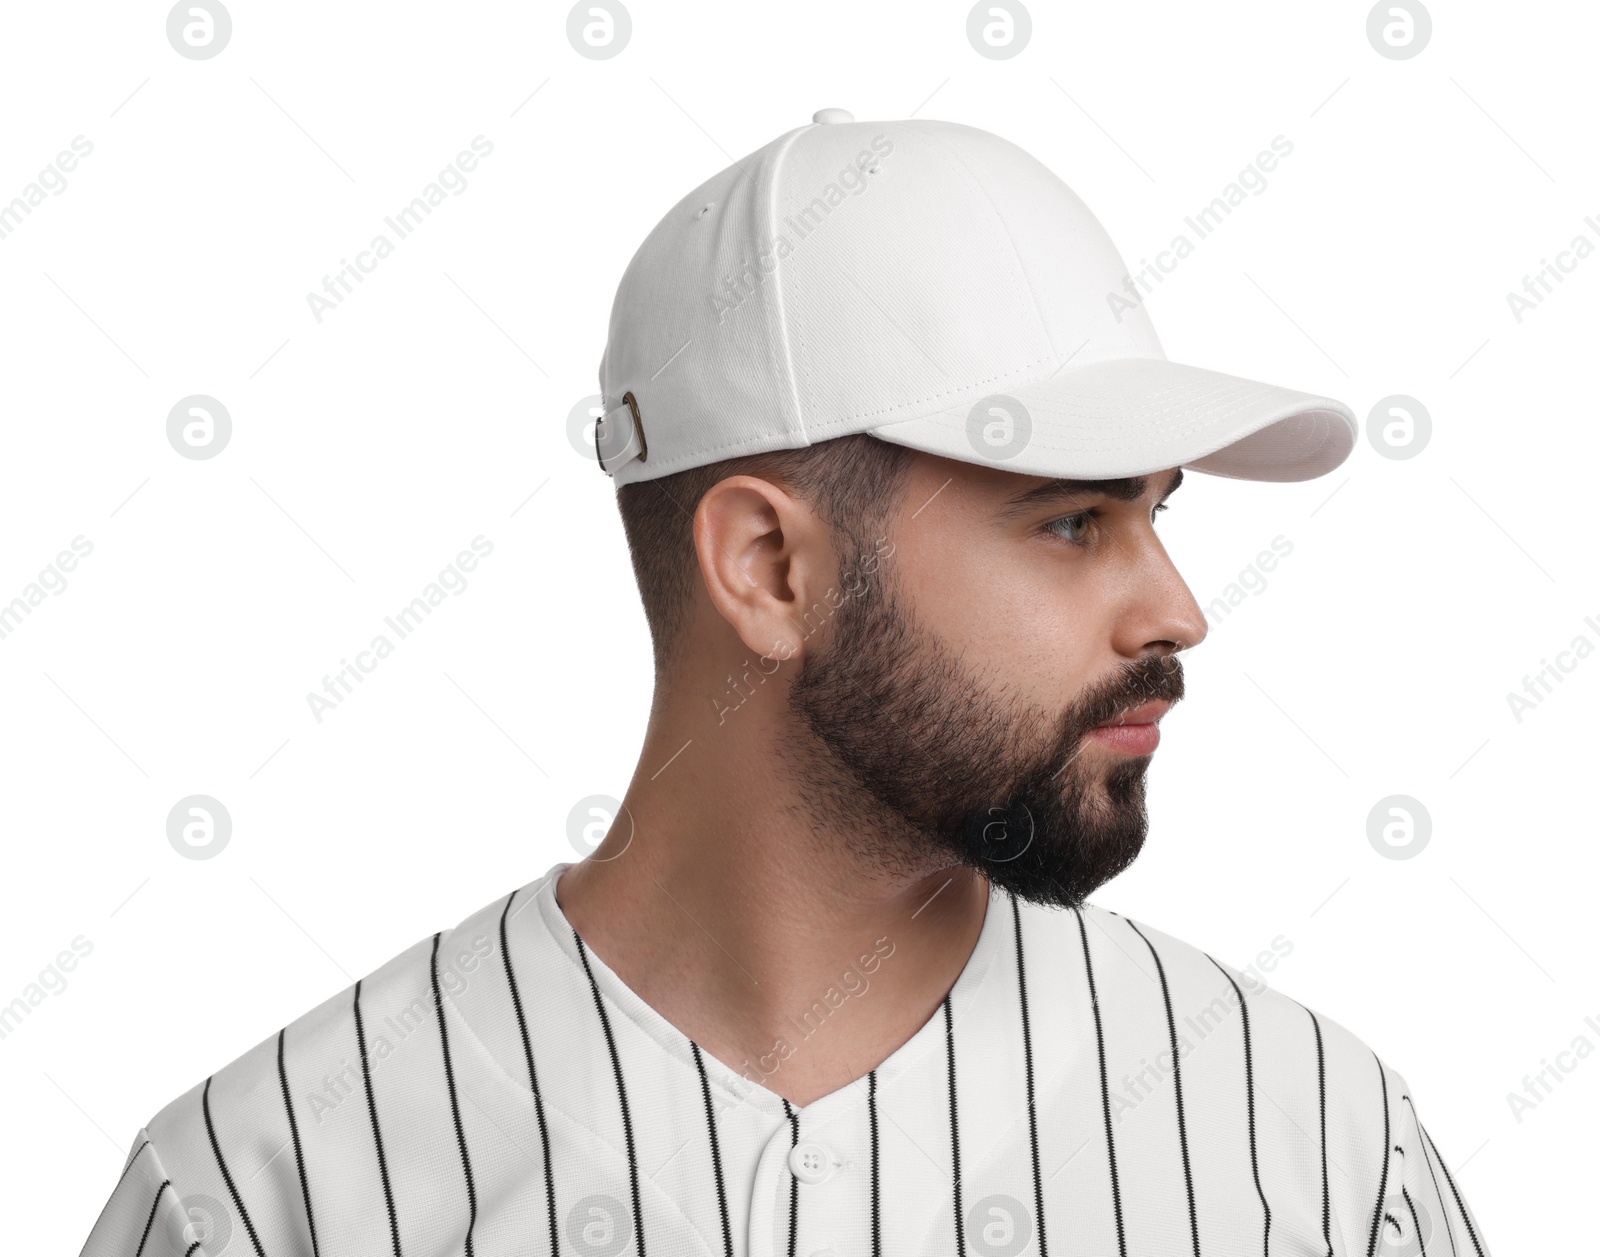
299 1155
455 1104
150 1221
955 1129
1437 1194
716 1153
188 1252
377 1134
1027 1064
1250 1108
1322 1112
794 1186
1105 1090
1415 1229
1383 1178
533 1081
1177 1085
1472 1233
622 1093
216 1149
872 1123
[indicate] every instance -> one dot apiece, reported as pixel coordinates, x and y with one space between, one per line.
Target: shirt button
809 1162
833 115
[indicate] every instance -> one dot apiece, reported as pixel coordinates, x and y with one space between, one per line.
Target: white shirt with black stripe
1090 1085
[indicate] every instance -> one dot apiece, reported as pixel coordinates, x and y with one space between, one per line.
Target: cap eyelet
638 425
704 209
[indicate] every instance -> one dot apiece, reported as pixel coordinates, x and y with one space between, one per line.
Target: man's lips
1135 732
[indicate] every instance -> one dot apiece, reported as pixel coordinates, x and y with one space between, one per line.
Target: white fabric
1379 1165
886 277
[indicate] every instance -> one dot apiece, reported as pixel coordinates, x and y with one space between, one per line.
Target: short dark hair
853 482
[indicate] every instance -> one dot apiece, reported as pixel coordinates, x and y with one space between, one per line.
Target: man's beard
963 774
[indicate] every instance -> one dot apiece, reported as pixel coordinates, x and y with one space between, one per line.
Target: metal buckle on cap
619 436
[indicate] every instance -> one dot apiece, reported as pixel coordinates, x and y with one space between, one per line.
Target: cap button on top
833 115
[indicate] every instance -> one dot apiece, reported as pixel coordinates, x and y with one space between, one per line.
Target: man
889 438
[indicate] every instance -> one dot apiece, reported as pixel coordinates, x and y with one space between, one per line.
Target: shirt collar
979 972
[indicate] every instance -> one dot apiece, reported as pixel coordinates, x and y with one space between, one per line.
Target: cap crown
851 274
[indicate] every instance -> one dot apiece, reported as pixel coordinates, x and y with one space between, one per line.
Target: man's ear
765 557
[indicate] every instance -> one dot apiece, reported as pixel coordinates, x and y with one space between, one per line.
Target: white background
431 407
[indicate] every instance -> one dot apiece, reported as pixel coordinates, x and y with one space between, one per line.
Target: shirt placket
812 1190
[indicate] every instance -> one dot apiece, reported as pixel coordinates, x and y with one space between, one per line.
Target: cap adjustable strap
619 436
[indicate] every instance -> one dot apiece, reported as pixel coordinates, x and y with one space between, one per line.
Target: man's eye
1078 528
1073 528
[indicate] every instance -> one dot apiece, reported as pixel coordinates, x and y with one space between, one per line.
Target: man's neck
725 911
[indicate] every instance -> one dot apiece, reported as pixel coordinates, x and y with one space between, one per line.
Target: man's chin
1057 878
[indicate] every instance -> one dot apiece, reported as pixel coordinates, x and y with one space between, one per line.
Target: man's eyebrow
1059 490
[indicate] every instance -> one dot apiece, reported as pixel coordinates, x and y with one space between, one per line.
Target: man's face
967 684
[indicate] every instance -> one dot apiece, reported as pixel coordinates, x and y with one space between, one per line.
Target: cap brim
1134 416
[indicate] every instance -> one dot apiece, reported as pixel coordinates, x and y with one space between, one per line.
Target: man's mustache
1159 677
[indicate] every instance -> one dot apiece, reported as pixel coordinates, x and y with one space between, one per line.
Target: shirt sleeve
1424 1210
145 1216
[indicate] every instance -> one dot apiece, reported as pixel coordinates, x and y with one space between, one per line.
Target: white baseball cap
936 286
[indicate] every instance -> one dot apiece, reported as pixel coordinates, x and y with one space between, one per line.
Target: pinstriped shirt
1090 1085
